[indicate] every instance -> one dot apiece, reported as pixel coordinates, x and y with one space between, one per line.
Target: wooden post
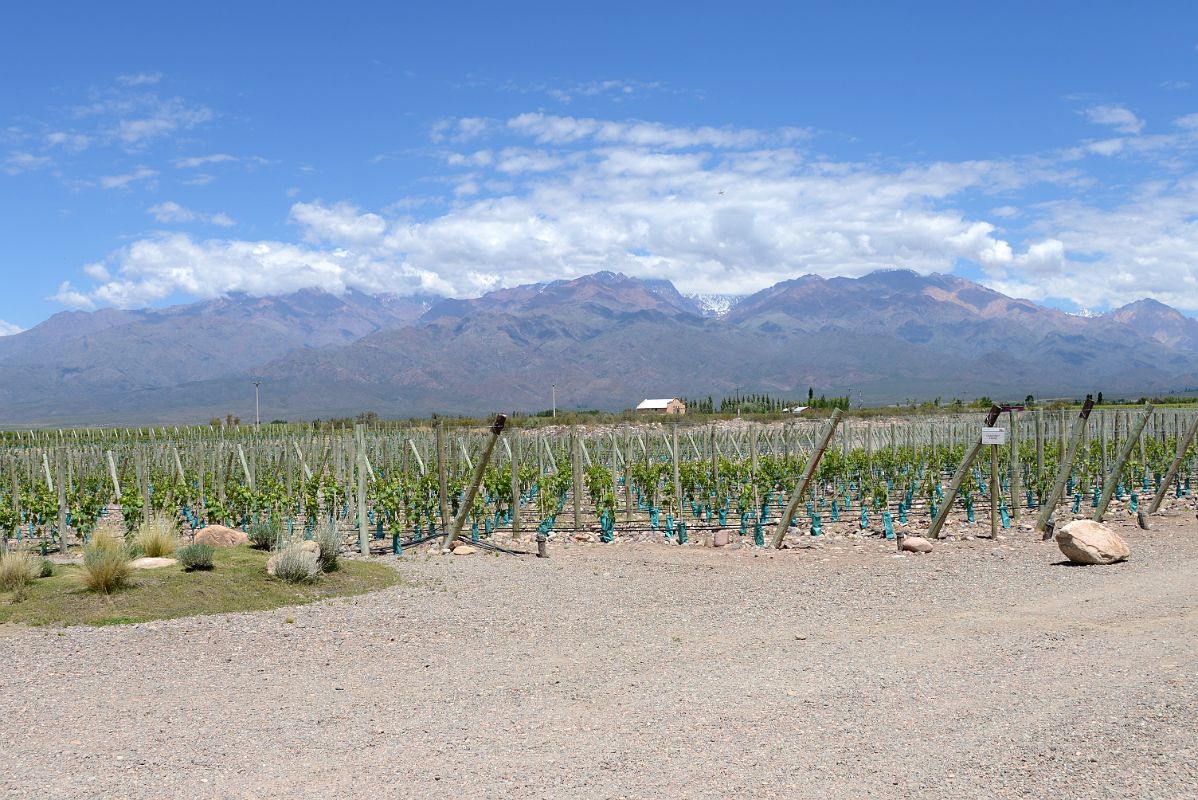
116 483
805 479
472 491
627 478
514 435
1111 481
1183 444
576 476
959 476
442 479
674 462
1039 454
994 491
62 501
1066 465
363 535
1013 415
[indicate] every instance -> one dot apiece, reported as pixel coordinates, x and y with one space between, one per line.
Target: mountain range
604 341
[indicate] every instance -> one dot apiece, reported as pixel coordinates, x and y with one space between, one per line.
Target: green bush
294 564
47 569
328 539
265 534
195 556
105 564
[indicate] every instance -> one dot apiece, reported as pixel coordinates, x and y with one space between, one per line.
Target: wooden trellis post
1066 467
959 477
1183 444
1110 481
804 480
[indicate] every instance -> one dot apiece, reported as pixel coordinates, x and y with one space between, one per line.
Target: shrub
17 570
47 569
328 539
105 564
265 534
156 537
294 564
195 556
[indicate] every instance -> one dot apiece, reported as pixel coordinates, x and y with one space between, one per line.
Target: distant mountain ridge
605 340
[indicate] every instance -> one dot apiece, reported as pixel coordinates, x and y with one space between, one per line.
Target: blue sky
152 154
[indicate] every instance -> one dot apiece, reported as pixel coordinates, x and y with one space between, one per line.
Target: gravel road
837 671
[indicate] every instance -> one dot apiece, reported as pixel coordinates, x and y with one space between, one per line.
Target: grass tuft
156 537
328 539
18 569
105 564
265 534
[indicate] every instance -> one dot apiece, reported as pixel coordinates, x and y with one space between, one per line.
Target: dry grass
157 536
18 570
105 563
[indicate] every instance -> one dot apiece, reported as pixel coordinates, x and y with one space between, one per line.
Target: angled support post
805 480
959 476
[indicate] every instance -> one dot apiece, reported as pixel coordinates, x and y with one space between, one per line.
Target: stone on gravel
916 544
145 562
720 539
1085 541
220 536
464 550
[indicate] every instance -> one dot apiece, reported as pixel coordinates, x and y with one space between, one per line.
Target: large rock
720 538
309 546
1084 541
145 562
464 550
916 544
220 536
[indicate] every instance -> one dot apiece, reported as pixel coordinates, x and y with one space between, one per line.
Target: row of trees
760 403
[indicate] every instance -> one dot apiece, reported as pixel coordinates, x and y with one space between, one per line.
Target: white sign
994 435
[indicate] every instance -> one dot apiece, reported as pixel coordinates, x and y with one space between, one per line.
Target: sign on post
994 435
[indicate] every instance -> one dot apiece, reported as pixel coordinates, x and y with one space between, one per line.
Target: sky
158 153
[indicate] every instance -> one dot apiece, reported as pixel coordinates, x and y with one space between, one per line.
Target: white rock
1085 541
145 562
464 550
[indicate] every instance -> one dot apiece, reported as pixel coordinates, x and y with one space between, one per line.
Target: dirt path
982 670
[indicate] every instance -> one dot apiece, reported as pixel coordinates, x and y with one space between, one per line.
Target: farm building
668 405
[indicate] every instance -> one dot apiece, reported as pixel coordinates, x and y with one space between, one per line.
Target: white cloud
712 209
19 161
199 161
141 174
139 78
69 141
8 329
1117 117
70 297
173 212
165 118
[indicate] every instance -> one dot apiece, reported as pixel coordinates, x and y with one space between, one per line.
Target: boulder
220 536
916 544
145 562
309 546
1084 541
720 539
271 563
464 550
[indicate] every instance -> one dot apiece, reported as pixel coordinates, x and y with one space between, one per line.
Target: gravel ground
836 671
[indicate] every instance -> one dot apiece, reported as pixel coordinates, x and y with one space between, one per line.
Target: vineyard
390 488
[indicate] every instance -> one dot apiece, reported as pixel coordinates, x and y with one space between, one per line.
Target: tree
1099 400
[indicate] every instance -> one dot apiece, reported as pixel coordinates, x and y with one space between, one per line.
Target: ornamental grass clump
156 537
328 539
17 571
265 534
294 564
105 563
197 556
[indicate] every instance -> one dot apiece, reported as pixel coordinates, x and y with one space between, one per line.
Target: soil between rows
985 669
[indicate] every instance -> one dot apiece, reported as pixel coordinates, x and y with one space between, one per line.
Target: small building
668 405
795 410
